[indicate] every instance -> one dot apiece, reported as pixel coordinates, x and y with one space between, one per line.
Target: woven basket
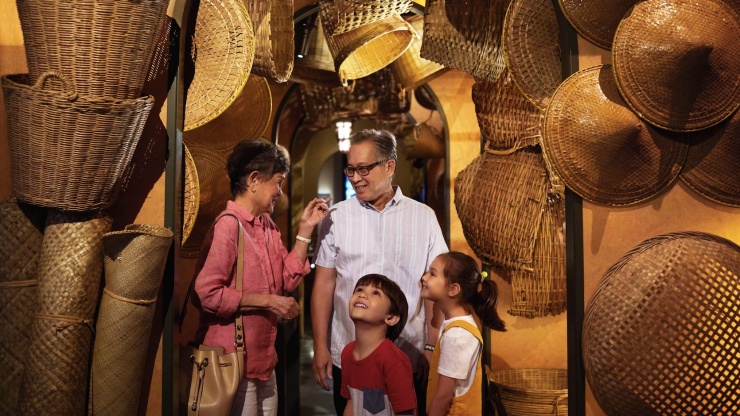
473 43
69 278
245 119
190 197
316 65
601 149
69 153
426 144
532 391
215 192
392 97
507 120
103 47
20 244
542 292
500 201
712 166
134 262
319 104
532 49
660 333
222 54
367 49
342 16
273 37
410 69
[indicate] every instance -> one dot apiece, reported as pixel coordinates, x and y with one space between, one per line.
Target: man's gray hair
384 141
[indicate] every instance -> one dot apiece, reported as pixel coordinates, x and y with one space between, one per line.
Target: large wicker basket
341 16
532 391
67 152
103 46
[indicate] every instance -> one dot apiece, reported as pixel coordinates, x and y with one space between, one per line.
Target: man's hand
322 366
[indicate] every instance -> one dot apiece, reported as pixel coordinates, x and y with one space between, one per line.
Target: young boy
376 375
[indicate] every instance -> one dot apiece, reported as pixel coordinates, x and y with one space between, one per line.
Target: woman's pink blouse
268 268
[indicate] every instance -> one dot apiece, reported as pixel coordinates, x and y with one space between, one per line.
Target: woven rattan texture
542 292
134 261
532 50
365 50
215 192
222 53
676 62
532 391
103 47
58 356
69 153
427 143
317 64
20 244
272 21
713 164
245 119
341 16
661 331
190 197
410 69
500 200
597 20
319 103
601 149
507 120
392 98
473 43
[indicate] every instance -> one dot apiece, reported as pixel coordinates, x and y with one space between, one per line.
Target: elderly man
378 231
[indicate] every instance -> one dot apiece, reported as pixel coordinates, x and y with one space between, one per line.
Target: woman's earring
254 189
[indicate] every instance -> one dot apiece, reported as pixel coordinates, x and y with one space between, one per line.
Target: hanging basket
532 391
272 21
68 152
103 47
342 16
410 69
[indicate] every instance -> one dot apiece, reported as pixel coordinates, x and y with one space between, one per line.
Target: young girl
454 283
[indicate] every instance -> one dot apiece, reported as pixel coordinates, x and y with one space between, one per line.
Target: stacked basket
75 119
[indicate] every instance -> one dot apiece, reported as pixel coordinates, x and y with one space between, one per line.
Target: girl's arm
440 405
348 410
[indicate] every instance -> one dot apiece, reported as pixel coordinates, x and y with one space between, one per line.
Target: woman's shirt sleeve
214 285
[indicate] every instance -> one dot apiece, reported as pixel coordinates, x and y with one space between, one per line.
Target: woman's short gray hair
384 141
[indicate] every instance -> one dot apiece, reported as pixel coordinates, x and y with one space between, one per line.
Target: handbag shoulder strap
239 338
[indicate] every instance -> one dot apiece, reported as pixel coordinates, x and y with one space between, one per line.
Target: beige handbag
215 376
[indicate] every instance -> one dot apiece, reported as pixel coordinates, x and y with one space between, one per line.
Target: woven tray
341 16
222 54
465 37
134 261
410 69
532 49
103 47
367 49
507 120
500 201
69 278
532 391
68 152
660 331
273 37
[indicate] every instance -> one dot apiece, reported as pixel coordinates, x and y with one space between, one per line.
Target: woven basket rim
560 371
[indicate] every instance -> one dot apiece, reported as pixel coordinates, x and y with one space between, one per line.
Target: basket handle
68 88
556 404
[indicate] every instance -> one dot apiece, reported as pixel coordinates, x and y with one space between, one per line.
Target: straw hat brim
712 166
245 119
601 149
596 20
532 50
223 53
191 195
676 62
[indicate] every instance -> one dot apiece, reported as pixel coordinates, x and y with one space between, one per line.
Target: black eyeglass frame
350 171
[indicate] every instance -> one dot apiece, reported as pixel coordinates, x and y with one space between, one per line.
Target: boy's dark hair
476 292
399 305
255 155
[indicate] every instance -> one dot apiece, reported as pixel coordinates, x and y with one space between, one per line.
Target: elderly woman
257 171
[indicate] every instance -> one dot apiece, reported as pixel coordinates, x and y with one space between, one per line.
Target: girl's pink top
268 268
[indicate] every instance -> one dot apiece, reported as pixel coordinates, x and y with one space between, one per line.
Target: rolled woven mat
20 244
58 354
134 263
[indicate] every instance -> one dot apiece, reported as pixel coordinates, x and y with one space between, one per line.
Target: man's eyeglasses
361 170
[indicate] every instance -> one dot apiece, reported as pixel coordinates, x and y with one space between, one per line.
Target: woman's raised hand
314 212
